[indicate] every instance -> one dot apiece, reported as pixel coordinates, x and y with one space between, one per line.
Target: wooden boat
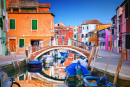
91 81
72 70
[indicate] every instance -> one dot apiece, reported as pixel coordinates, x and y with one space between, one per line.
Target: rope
108 62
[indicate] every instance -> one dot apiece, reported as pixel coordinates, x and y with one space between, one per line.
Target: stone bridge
76 46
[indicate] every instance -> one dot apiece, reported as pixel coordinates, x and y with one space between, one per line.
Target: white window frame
24 42
15 24
31 24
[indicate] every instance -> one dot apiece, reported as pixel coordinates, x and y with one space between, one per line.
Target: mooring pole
119 66
95 58
90 57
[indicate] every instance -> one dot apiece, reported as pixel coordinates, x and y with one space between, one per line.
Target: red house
62 33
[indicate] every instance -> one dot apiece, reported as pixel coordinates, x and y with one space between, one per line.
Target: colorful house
88 27
103 39
30 23
122 29
63 33
79 32
3 27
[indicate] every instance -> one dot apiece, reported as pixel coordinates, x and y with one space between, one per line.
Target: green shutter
21 43
12 23
21 77
34 24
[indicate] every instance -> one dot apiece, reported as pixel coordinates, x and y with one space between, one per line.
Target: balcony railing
23 4
28 4
13 4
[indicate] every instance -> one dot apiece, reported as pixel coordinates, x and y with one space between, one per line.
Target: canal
53 68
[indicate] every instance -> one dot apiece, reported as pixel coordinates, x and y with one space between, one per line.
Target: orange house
30 23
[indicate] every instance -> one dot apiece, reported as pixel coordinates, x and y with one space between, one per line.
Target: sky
75 12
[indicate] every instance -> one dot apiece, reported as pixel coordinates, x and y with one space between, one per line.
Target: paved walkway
101 64
8 59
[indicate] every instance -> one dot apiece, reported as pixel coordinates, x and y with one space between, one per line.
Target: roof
113 17
44 5
92 22
92 31
123 3
80 26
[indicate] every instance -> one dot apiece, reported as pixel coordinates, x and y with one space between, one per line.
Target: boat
35 70
76 69
35 64
91 81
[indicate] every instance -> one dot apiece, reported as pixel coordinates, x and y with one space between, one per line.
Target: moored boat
34 64
93 81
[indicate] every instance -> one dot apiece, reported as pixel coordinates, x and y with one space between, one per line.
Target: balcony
28 4
13 4
23 4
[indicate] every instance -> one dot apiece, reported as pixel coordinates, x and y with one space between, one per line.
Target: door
0 47
12 43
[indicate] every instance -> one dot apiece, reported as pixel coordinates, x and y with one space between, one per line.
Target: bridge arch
78 50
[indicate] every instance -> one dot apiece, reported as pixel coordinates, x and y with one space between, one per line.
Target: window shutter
21 43
126 10
12 23
34 24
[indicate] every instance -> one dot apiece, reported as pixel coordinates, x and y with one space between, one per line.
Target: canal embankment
13 63
102 60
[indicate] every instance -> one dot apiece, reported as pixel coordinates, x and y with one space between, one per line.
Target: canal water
53 68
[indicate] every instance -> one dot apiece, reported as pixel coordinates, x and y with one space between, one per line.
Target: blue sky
75 12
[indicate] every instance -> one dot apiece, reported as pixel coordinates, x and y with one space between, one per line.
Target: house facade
63 33
3 27
30 23
121 28
79 30
87 32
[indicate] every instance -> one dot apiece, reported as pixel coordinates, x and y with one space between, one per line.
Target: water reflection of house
62 66
30 23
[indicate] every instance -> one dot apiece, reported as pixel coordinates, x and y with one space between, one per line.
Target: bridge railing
59 42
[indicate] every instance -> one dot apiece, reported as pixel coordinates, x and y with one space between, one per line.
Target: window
57 37
103 43
87 27
112 31
90 35
126 10
21 43
82 36
59 31
83 28
34 24
62 37
74 36
58 24
119 43
86 35
12 24
94 35
119 28
108 43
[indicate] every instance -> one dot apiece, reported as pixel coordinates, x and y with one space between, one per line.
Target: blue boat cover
71 69
64 54
34 62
